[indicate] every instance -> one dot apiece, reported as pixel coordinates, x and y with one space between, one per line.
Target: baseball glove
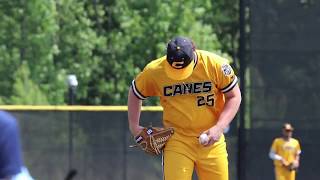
291 166
153 139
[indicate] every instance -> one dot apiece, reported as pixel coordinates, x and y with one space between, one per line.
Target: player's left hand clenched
214 135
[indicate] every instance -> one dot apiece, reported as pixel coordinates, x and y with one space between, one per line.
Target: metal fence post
241 165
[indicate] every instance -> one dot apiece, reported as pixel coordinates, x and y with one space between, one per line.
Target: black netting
284 86
100 145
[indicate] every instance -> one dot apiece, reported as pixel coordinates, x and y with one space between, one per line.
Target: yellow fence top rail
73 108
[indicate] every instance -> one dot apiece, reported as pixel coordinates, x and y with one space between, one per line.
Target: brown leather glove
153 139
290 166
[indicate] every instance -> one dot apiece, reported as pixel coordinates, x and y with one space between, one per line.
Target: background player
11 166
285 152
199 93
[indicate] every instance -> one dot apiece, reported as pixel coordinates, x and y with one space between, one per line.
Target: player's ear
193 46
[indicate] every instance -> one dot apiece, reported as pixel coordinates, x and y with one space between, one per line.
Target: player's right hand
296 163
214 135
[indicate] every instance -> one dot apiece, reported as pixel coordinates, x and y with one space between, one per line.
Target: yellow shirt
191 105
286 149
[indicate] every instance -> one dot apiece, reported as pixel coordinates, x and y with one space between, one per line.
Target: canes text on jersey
187 88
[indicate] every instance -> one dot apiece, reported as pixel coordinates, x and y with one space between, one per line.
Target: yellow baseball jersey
286 149
191 105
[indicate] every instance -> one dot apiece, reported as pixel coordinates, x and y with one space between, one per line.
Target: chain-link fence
100 145
284 87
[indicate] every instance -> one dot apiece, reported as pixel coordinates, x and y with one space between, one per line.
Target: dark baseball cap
180 58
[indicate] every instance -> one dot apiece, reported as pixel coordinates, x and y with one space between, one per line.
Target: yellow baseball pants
183 154
284 174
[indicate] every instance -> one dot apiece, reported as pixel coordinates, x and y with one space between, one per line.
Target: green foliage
77 41
105 43
142 29
223 18
10 15
25 91
40 28
28 30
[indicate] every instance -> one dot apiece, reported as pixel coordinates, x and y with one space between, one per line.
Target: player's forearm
274 156
229 112
134 111
297 159
231 107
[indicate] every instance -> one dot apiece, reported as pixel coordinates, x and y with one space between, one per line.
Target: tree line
104 43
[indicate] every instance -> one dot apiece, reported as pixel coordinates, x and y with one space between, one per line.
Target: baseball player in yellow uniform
199 93
285 152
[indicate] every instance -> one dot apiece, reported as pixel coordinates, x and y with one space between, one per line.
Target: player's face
287 133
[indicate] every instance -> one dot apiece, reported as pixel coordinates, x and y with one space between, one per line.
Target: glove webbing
157 144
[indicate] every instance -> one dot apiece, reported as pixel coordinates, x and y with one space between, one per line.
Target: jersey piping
136 91
230 86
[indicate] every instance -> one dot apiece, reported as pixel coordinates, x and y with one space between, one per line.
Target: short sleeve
226 77
274 146
298 148
143 85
